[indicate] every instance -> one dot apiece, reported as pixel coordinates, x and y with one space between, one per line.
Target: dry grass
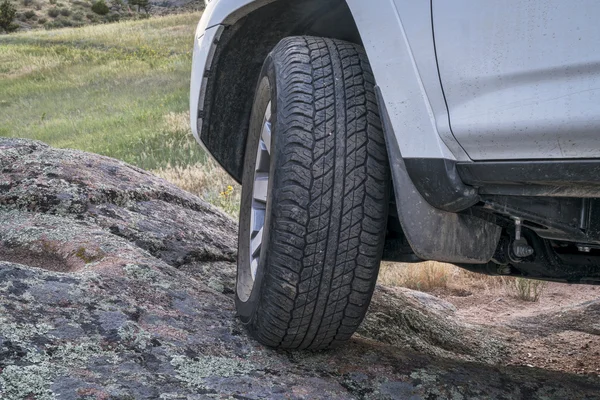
526 289
433 276
424 276
205 179
208 181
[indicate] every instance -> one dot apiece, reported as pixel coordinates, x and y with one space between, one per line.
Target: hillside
52 14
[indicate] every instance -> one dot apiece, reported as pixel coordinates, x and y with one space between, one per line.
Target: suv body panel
521 78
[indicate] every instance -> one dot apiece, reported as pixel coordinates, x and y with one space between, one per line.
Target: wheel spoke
256 243
266 136
257 220
263 160
261 185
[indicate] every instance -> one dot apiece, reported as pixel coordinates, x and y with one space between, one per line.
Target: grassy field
116 89
113 89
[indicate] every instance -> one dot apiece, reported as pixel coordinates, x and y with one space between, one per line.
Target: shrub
65 11
526 289
27 3
42 21
29 14
7 16
100 7
52 2
78 16
53 12
61 23
113 17
426 276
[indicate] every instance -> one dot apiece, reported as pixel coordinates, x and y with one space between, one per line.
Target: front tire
312 228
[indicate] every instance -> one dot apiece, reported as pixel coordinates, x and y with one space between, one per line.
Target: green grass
117 89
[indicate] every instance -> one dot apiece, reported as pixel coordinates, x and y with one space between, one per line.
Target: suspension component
520 247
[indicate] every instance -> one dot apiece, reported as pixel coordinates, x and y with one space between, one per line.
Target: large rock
115 284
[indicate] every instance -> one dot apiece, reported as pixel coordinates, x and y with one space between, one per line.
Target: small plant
8 13
27 3
78 16
29 14
424 276
42 21
53 12
100 7
526 289
53 2
65 11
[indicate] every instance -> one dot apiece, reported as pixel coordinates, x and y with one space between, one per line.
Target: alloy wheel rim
259 192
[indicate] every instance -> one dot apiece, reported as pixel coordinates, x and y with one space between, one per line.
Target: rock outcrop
115 284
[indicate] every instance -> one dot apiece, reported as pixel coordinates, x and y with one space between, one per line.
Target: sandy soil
556 333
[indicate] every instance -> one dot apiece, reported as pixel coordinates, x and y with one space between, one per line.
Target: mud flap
434 234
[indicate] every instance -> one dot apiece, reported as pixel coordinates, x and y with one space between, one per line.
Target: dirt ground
556 333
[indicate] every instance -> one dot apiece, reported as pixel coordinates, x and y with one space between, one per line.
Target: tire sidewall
266 91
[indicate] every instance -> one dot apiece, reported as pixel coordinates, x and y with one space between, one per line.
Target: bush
100 7
426 276
53 12
113 17
61 23
526 289
42 21
78 16
65 11
52 1
8 13
29 14
27 3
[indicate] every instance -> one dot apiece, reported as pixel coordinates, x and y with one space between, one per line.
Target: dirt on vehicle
117 284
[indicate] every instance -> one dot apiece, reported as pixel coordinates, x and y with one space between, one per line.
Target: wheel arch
249 34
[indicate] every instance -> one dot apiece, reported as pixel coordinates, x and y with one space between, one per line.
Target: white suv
465 131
